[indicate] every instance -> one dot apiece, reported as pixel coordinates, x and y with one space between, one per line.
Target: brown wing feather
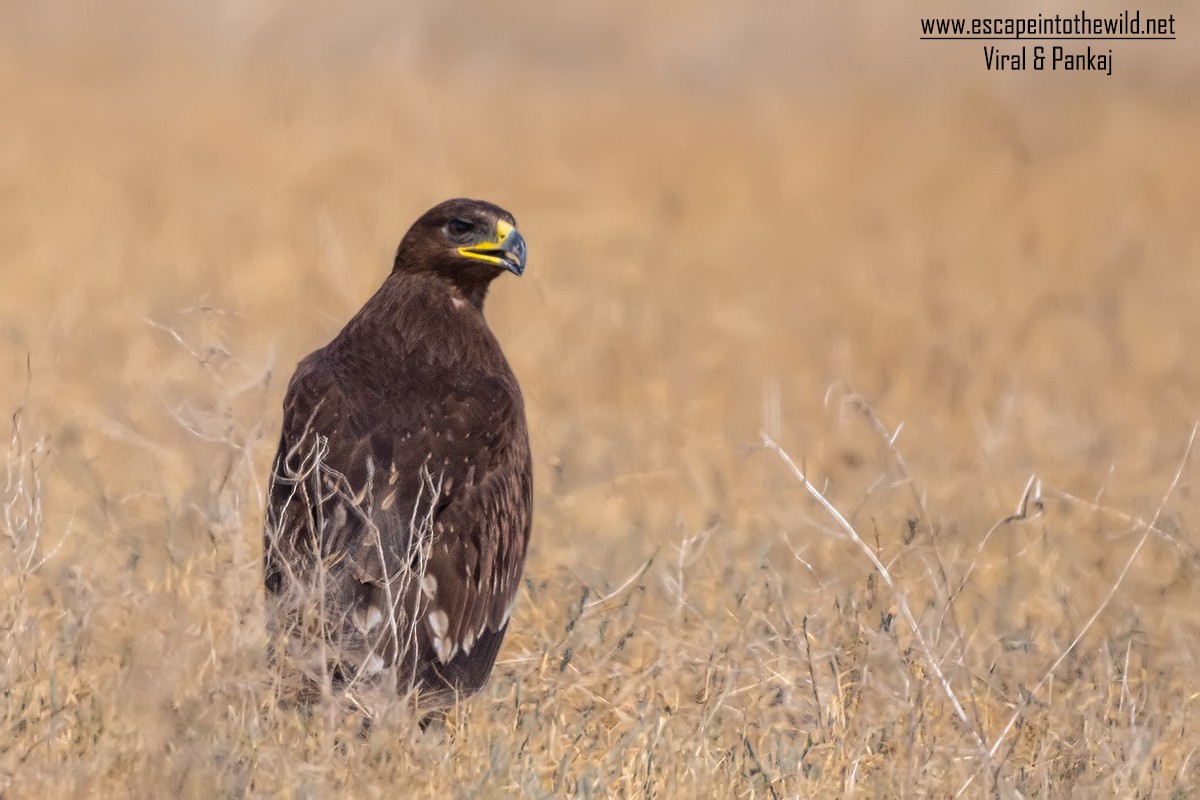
464 551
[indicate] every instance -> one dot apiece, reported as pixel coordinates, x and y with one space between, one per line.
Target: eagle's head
469 242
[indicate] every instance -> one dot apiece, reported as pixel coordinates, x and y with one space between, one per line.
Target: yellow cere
480 251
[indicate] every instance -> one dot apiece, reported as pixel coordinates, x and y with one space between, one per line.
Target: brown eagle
401 496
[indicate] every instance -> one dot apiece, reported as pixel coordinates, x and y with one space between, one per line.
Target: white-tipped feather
366 620
439 623
444 648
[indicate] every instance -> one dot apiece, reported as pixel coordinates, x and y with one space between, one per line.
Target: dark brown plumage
401 497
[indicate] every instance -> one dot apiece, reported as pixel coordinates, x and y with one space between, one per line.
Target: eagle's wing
459 484
304 502
422 511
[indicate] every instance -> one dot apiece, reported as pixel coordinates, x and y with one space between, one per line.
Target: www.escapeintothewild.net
1081 27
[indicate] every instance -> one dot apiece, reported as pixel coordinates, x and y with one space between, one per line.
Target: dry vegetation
921 299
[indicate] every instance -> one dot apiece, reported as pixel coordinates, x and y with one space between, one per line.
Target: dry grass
922 298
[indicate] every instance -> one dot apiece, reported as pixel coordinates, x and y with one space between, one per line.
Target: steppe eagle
401 495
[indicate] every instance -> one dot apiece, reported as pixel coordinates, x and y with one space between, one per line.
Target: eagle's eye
459 227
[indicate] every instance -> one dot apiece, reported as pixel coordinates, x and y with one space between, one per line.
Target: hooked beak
506 252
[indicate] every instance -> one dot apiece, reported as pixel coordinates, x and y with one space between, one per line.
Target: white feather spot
458 302
367 620
468 643
507 614
388 501
429 586
373 665
439 623
445 649
374 617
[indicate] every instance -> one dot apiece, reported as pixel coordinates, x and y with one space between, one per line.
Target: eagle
400 501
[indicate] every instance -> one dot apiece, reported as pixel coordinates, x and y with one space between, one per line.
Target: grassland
966 313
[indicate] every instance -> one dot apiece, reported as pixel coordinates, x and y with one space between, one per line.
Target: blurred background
726 207
737 214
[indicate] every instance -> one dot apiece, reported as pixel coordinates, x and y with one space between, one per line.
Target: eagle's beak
507 251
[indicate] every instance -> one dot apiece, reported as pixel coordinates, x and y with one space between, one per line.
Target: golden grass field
947 296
